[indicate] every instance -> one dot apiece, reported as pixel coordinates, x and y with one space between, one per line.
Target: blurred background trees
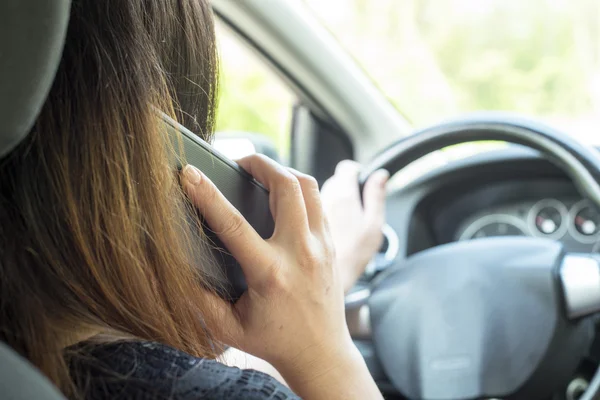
435 59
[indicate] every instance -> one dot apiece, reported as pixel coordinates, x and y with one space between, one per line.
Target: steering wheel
490 318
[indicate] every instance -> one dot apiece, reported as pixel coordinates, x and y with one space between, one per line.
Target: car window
436 59
252 97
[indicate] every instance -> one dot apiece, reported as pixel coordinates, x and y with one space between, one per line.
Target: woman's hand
356 229
293 312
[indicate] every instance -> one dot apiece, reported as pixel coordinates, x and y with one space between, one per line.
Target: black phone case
240 188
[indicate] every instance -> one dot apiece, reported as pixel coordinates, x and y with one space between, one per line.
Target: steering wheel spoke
580 281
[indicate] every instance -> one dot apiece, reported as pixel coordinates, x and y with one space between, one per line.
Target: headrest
32 34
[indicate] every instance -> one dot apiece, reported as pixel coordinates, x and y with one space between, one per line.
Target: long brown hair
93 232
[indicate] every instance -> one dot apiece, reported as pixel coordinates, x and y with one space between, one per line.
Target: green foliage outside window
436 59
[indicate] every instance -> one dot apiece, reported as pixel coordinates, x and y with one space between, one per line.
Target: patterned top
145 371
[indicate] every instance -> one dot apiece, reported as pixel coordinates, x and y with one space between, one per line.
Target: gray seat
19 380
32 33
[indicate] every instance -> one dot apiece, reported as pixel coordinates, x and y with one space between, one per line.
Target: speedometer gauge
494 225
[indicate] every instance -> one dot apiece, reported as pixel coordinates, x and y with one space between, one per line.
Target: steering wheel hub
477 319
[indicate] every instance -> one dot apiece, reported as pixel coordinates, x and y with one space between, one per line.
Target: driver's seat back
19 380
32 34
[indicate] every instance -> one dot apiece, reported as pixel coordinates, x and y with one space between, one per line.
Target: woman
100 283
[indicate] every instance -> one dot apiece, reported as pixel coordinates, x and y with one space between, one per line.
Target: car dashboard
512 191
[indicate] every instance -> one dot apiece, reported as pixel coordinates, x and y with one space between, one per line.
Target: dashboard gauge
495 225
585 222
548 218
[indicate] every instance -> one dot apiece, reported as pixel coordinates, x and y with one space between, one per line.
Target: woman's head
93 231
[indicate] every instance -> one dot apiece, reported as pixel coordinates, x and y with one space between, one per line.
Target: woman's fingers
374 198
286 199
345 181
244 243
347 167
312 199
347 172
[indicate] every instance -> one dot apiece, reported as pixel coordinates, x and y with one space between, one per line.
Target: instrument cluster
575 222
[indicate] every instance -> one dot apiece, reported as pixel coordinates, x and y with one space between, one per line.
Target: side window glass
252 98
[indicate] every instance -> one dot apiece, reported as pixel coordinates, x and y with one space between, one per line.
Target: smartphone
240 188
